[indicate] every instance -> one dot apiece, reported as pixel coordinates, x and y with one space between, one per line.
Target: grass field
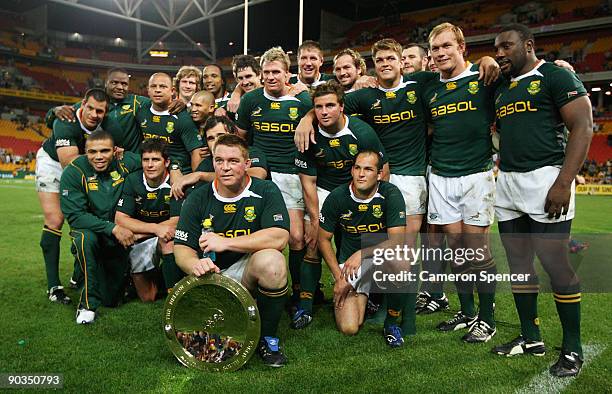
125 351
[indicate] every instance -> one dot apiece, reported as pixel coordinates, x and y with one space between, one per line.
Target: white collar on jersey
282 98
246 192
161 113
351 90
85 129
359 200
533 71
466 73
314 83
164 184
402 84
344 131
225 97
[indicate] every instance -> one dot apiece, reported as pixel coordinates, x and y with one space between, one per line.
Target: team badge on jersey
115 175
363 207
125 107
151 196
256 112
376 105
170 127
320 153
352 149
167 198
143 123
513 84
411 95
377 211
473 87
434 98
347 216
293 113
451 85
92 185
534 87
274 105
249 213
390 95
334 143
229 208
156 119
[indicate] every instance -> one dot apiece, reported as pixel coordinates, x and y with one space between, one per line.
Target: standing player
349 66
91 187
247 73
323 167
213 80
364 206
461 183
65 143
536 107
310 60
270 115
178 131
414 58
147 209
187 81
250 226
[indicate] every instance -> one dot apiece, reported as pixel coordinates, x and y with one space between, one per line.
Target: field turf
125 351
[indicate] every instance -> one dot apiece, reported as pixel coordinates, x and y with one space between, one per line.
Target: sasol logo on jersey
363 228
229 208
395 117
273 126
516 107
181 235
451 108
274 105
236 233
147 136
154 214
62 142
339 164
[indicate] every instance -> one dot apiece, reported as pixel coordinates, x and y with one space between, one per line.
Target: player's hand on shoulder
297 88
233 103
124 236
304 133
178 187
65 113
204 266
365 81
565 65
489 69
119 153
176 106
220 112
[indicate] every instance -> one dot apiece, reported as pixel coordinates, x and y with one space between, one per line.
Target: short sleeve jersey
355 217
259 206
178 131
67 134
531 130
462 113
145 203
397 116
271 121
331 157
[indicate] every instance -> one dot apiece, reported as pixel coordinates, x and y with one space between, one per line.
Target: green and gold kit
258 160
331 157
259 206
322 79
271 123
120 121
88 198
178 131
397 116
461 111
532 132
67 134
356 217
145 203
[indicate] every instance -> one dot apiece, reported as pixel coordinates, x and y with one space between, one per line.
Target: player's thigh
443 201
350 317
290 188
50 204
265 268
477 203
414 191
296 229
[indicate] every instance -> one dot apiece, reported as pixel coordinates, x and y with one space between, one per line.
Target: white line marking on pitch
544 382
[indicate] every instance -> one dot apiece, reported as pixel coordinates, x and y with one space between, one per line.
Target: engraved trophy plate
211 323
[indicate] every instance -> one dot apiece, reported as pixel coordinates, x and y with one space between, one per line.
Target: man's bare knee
348 329
269 268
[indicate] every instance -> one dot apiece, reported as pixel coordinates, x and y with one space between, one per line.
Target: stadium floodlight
608 93
596 89
153 53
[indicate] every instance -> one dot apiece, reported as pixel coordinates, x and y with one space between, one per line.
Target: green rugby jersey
271 121
120 121
145 203
531 130
356 217
397 116
67 134
258 159
88 198
222 101
321 80
462 112
258 207
178 131
331 157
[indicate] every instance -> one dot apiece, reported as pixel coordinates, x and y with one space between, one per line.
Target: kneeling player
366 205
251 228
147 209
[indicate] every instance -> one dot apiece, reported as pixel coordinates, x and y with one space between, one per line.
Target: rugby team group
196 179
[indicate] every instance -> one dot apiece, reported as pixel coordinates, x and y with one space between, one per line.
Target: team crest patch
347 216
390 95
334 143
513 84
412 98
229 208
92 185
249 213
156 119
363 207
377 211
534 87
434 98
115 175
376 105
125 107
293 113
352 149
256 112
274 105
170 127
143 123
151 196
167 198
320 153
473 87
451 85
